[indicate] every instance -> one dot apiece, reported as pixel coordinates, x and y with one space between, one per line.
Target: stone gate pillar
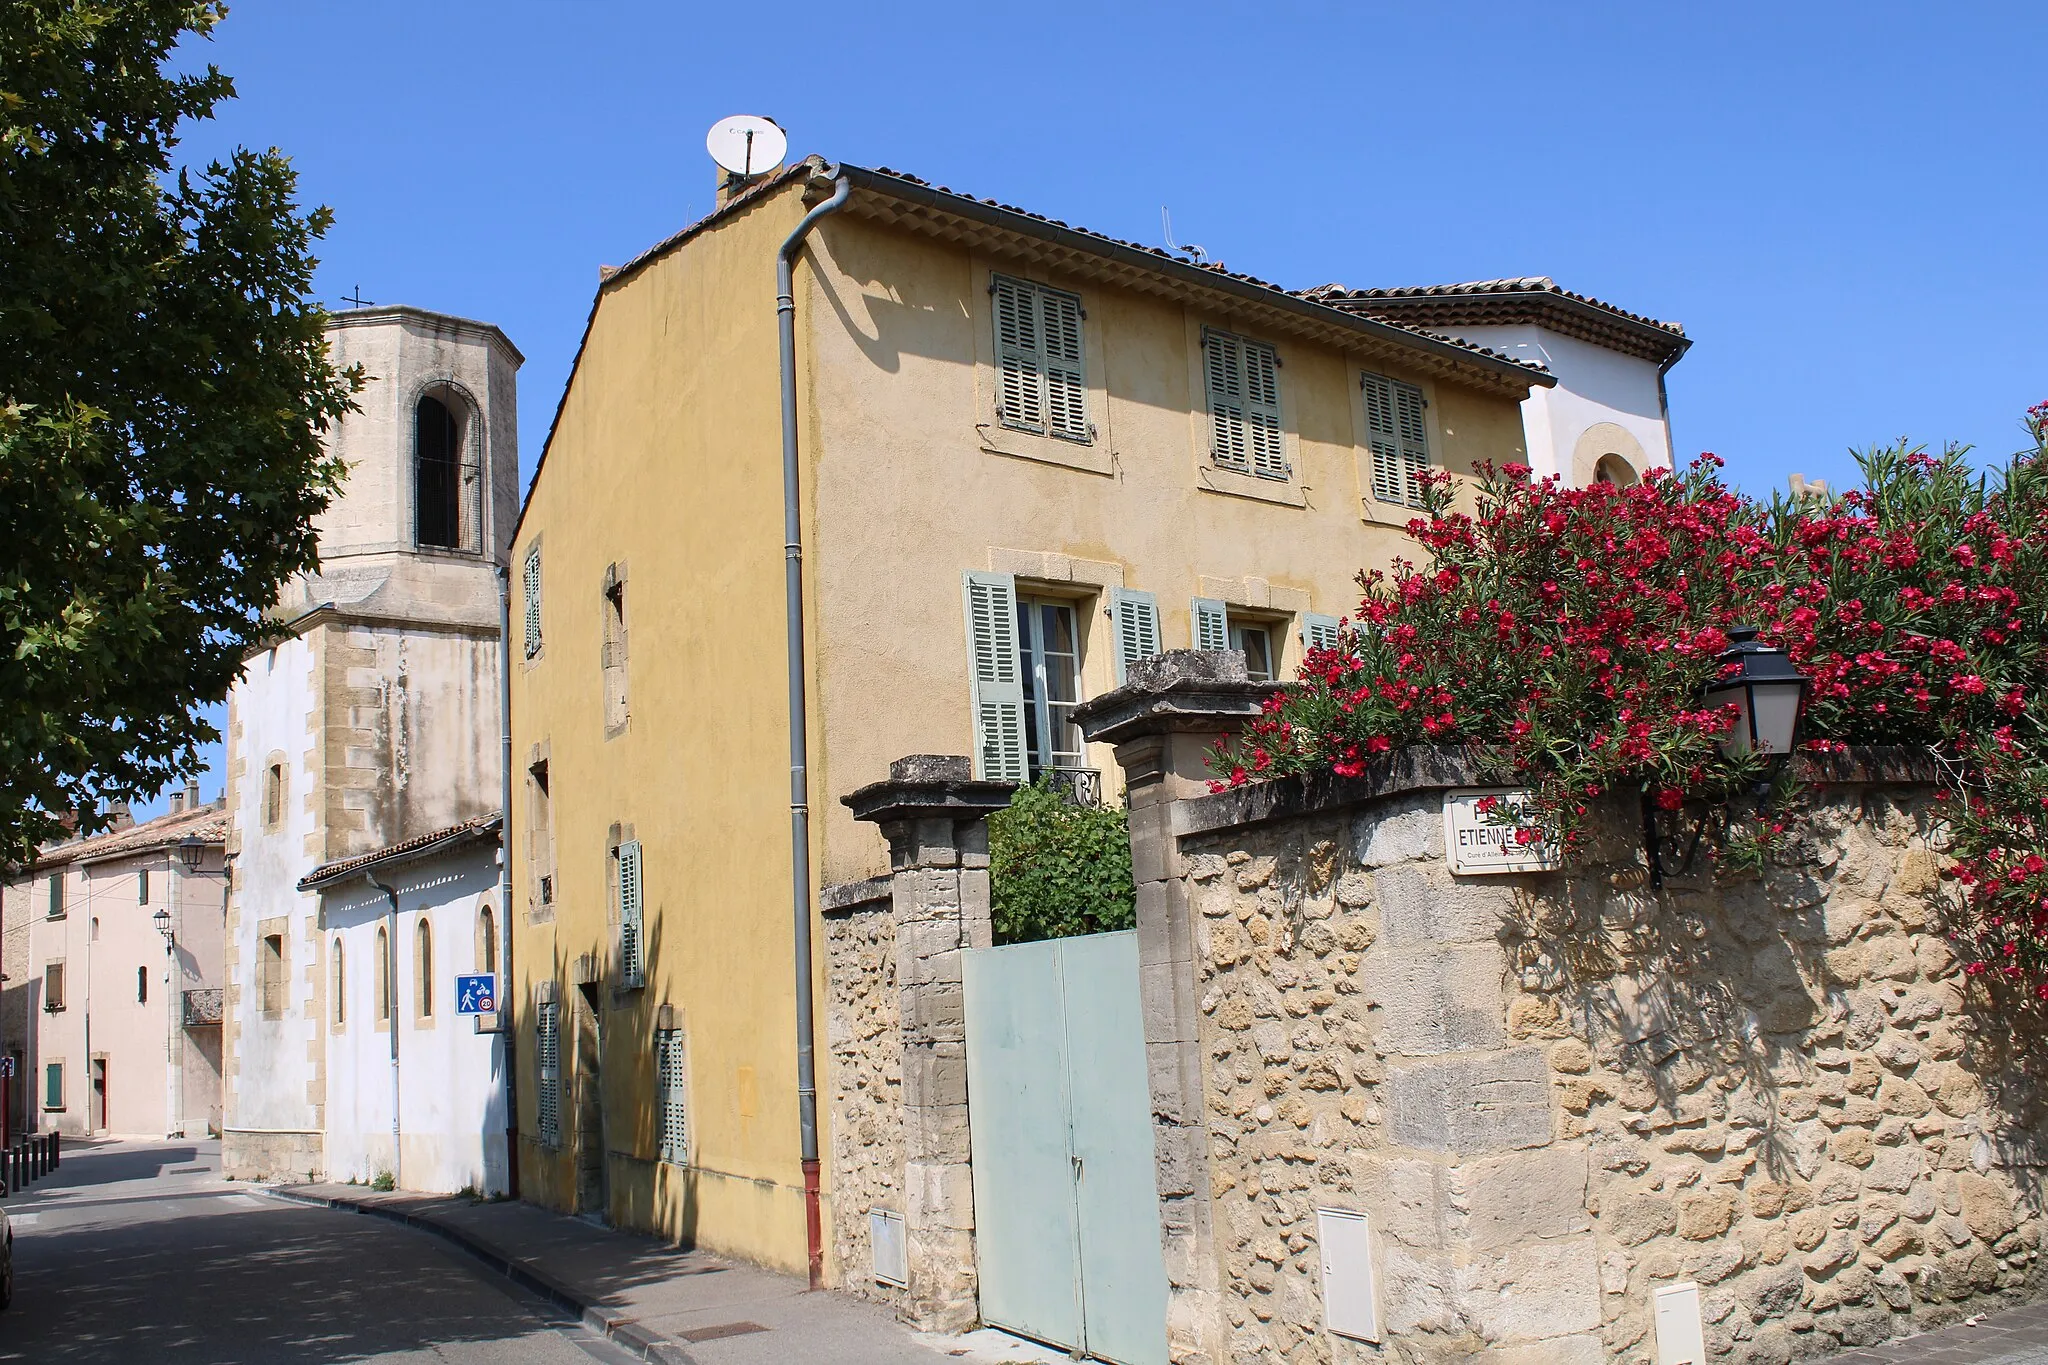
932 812
1163 720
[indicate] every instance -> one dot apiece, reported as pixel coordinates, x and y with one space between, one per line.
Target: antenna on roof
747 145
1166 227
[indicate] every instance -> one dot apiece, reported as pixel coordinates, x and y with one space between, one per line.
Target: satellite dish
746 144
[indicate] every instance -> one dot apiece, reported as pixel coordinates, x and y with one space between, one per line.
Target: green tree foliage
1057 869
164 385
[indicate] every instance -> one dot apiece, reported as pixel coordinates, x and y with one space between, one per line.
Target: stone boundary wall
863 1080
1553 1094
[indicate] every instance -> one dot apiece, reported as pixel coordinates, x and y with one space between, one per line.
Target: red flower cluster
1569 632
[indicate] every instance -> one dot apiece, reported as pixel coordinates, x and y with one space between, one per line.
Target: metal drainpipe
799 755
505 1049
391 1001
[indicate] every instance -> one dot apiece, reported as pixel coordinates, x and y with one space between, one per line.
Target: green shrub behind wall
1057 869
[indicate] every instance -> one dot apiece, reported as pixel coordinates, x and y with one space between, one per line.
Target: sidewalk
669 1306
2017 1336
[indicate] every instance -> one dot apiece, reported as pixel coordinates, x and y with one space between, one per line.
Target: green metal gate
1066 1208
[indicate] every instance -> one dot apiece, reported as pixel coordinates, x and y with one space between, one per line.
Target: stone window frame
614 651
543 886
1210 477
337 1021
473 513
273 991
277 777
423 970
387 988
54 1002
486 938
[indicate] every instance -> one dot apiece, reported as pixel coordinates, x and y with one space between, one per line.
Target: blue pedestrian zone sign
476 994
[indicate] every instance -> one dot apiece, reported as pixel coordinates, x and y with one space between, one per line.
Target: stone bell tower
375 721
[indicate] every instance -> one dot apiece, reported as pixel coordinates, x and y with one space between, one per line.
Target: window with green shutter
530 580
1211 624
672 1116
1041 377
1319 632
992 667
1397 433
1136 618
1243 381
547 1031
53 1086
632 940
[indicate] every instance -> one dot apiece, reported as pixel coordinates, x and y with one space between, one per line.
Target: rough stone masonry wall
1554 1093
864 1041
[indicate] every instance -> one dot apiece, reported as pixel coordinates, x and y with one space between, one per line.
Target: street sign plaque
476 994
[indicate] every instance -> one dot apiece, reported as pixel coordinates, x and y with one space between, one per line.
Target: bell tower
375 721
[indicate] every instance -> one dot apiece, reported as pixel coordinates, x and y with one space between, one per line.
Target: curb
623 1331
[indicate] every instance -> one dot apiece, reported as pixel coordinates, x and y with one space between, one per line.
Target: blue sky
1844 204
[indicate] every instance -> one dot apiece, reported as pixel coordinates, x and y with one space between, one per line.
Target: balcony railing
203 1007
1080 786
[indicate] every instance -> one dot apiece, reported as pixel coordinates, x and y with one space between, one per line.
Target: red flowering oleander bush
1568 635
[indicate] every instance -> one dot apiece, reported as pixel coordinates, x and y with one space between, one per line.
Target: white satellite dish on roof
746 144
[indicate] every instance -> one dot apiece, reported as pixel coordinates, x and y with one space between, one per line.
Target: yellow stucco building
1028 453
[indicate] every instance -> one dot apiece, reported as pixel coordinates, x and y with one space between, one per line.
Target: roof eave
348 869
1194 276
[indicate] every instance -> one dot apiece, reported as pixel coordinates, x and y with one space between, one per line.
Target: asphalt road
140 1252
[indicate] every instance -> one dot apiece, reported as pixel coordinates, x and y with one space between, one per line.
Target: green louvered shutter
632 940
1262 411
991 603
548 1055
1408 411
1383 438
1020 373
1319 632
1066 377
1223 360
674 1136
1212 624
530 579
1136 618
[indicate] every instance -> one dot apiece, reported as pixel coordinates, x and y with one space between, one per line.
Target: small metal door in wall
1066 1207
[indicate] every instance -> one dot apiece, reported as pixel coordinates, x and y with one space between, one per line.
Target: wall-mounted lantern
1769 691
1769 694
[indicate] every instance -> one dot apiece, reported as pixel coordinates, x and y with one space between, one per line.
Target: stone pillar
1163 720
932 812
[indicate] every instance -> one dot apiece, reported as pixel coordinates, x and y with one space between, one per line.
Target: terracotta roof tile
468 831
209 824
1527 298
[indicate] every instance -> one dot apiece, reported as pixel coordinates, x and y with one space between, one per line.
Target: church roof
483 829
1529 299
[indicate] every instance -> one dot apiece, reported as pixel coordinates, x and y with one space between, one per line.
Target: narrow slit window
423 967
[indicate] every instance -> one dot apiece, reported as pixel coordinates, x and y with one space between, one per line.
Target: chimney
177 803
119 816
191 793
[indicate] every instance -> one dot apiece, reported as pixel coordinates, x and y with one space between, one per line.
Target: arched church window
438 474
1617 471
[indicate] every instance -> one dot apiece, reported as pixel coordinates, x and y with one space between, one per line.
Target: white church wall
273 1126
450 1102
1598 391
